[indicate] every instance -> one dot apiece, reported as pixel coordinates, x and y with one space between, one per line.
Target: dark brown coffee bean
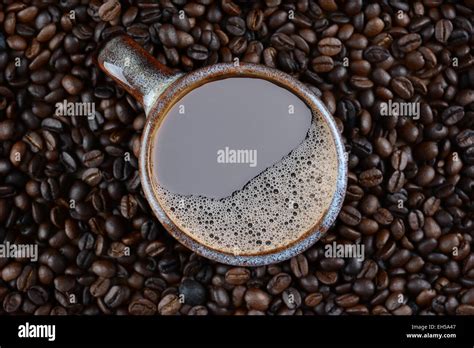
448 242
371 178
27 278
363 288
11 271
237 276
100 287
142 306
168 35
313 299
327 278
104 268
235 26
282 41
465 138
12 302
376 54
257 299
396 181
299 266
109 10
115 227
269 56
452 115
465 309
347 300
322 64
92 176
38 295
230 7
72 84
292 298
279 283
128 206
17 43
255 19
93 158
28 14
403 87
350 215
329 46
409 42
399 160
117 295
427 150
443 30
7 129
197 52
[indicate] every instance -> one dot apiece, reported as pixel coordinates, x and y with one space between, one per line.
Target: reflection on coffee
242 166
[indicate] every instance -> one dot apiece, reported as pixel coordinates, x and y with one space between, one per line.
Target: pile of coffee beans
70 184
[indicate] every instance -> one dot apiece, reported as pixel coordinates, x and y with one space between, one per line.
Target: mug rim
192 80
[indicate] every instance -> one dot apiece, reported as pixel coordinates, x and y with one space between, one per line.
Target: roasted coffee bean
376 54
322 64
235 26
116 296
169 305
109 10
396 181
104 268
279 283
329 46
350 215
237 276
443 30
197 52
292 298
194 293
257 299
255 19
371 178
12 302
100 287
399 160
115 227
72 84
403 87
299 266
38 295
27 278
409 42
142 306
347 300
93 158
282 41
219 296
452 115
168 35
364 288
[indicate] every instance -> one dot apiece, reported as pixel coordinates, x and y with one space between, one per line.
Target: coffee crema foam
273 210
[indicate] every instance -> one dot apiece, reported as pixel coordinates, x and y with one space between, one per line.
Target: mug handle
133 68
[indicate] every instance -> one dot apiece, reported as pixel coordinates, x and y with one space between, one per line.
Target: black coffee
242 165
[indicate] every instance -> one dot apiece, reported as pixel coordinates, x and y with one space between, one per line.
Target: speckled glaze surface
168 89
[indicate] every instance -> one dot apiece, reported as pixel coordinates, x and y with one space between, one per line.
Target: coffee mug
282 210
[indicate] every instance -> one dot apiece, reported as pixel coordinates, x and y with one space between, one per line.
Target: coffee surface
242 166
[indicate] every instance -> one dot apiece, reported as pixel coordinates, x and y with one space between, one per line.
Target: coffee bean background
71 184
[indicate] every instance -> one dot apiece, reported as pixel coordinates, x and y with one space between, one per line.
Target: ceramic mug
158 88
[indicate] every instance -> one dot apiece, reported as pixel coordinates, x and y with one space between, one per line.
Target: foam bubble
273 210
